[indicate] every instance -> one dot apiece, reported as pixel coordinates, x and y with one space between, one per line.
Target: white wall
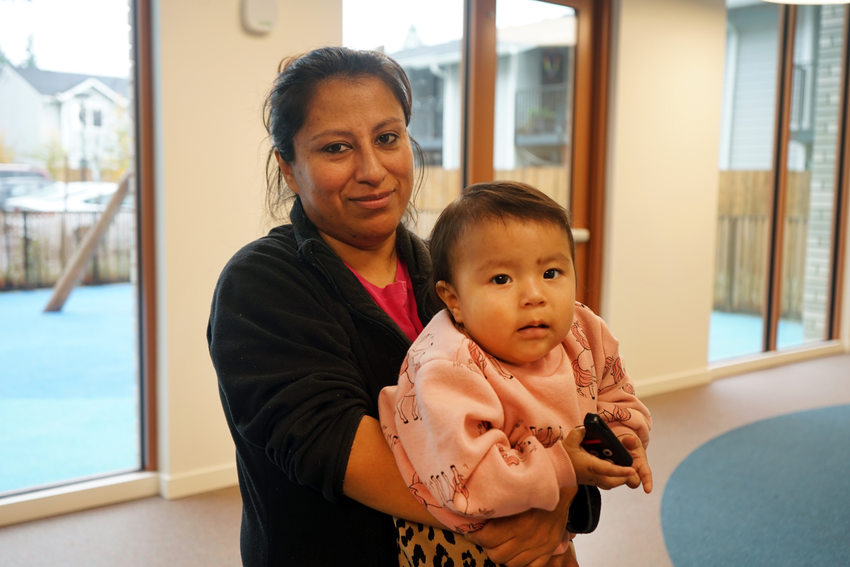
661 199
210 82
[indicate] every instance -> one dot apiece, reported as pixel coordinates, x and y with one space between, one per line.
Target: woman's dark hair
496 200
298 78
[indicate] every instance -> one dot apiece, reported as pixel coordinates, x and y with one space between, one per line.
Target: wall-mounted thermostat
259 16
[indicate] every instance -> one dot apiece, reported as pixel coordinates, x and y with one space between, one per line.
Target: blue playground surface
69 394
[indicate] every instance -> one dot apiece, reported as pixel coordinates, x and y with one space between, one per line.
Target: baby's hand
593 470
641 465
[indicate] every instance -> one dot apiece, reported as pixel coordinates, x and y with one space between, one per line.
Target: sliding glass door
782 178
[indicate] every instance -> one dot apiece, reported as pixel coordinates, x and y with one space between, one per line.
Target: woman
311 321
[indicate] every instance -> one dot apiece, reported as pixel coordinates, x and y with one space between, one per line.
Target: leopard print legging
421 546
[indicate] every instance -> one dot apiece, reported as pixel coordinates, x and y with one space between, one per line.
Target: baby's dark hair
496 200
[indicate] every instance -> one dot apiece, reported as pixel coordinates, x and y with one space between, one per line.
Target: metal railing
35 247
543 110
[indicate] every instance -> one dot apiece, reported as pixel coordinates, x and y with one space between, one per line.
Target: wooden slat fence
743 226
441 186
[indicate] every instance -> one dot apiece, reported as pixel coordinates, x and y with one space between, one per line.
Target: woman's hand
593 470
644 474
566 559
527 539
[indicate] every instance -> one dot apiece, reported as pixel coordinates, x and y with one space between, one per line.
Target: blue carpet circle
775 492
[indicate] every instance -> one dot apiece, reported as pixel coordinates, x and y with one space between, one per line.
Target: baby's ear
449 296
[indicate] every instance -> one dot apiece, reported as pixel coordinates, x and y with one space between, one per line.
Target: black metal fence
35 248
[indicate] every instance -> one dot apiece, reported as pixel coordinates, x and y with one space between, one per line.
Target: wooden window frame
145 238
842 193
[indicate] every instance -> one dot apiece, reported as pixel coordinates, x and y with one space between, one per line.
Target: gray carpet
630 530
775 492
203 530
198 531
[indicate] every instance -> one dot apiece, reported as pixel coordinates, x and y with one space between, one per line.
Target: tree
29 62
7 154
118 153
52 154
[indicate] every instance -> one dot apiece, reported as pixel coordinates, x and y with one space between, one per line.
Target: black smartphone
601 442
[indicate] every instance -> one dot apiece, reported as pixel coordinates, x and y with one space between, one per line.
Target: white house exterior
84 114
524 51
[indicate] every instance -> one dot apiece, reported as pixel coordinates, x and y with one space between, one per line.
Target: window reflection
533 122
534 95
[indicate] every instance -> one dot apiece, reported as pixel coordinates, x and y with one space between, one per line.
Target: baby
488 394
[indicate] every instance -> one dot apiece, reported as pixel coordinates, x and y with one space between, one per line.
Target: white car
20 179
75 196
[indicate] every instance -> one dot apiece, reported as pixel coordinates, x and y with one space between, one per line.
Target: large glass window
779 178
536 45
69 383
496 87
746 174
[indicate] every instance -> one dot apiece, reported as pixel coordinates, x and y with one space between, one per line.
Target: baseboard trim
172 486
762 361
772 359
78 496
24 507
672 382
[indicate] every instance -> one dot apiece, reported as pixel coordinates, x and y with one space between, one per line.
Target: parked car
75 196
99 197
23 170
18 179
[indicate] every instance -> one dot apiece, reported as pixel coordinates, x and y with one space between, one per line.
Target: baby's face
514 287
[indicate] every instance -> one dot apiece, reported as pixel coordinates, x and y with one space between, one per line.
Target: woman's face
353 165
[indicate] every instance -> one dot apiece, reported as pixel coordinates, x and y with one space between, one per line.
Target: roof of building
56 82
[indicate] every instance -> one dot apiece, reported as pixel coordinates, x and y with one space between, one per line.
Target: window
425 38
71 397
503 89
535 78
781 178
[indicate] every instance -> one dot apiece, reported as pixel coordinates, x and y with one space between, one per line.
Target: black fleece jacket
301 351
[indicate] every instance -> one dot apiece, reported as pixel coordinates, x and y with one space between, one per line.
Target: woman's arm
372 477
282 345
527 539
524 540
